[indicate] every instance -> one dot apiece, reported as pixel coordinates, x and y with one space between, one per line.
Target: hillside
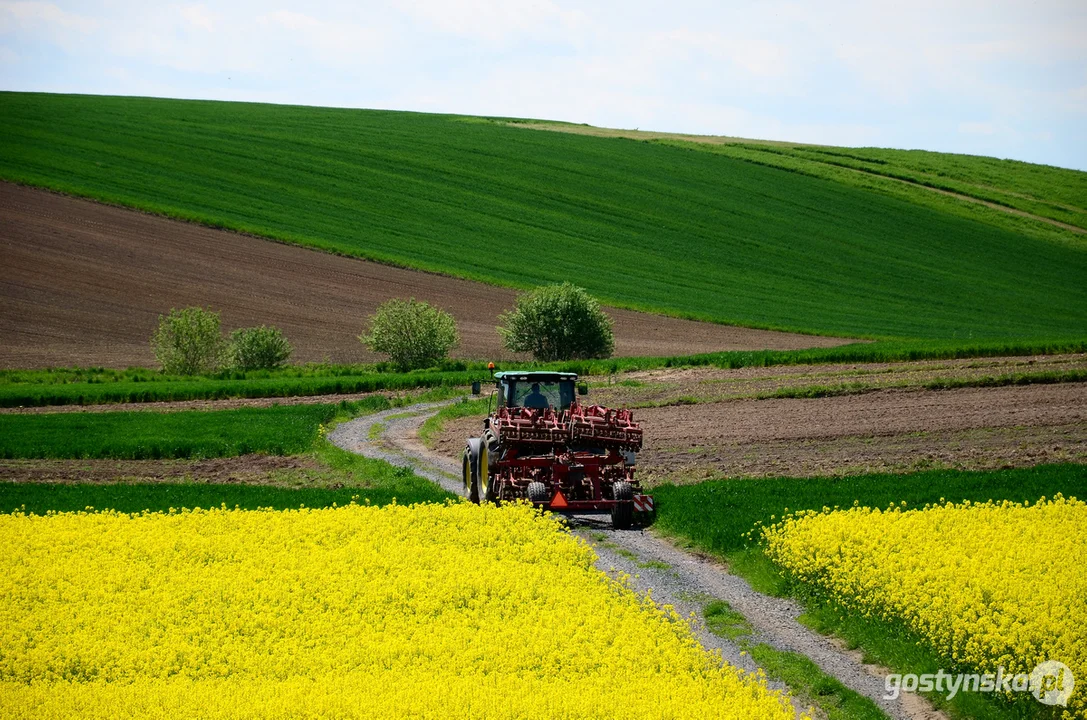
1037 200
85 284
643 225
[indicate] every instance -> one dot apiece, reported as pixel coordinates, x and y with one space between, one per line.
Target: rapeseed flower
987 585
424 611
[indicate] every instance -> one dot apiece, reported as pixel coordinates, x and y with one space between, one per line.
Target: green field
79 387
647 225
91 386
277 430
1053 197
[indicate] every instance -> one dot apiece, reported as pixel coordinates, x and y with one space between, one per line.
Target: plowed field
84 284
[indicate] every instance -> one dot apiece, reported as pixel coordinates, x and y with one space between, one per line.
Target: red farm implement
541 445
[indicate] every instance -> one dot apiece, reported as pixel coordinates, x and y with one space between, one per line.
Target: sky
1006 79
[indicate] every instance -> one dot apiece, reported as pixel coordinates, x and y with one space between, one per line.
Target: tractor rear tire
470 477
622 513
537 492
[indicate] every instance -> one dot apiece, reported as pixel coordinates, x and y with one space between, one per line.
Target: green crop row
74 386
77 393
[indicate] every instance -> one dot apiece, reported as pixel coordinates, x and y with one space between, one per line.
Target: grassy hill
650 225
1037 200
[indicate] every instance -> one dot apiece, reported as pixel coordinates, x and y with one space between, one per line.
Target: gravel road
673 576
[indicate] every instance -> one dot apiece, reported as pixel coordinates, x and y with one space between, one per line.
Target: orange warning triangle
559 501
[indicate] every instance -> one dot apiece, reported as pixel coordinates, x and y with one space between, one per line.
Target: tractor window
535 394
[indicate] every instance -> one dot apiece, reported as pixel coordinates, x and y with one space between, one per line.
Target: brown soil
879 431
671 386
884 430
84 284
248 469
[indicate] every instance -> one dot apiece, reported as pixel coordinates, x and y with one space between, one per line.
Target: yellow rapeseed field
989 585
430 611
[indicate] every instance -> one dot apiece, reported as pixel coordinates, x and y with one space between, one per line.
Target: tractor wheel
468 475
622 513
537 492
488 488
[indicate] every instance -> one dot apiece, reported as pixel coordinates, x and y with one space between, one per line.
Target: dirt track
84 284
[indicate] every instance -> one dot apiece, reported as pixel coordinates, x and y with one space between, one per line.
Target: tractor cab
536 389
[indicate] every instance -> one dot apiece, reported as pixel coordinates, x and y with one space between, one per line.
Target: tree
558 322
188 341
258 348
413 334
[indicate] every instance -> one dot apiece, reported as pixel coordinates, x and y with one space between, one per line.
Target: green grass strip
147 435
433 425
809 684
92 386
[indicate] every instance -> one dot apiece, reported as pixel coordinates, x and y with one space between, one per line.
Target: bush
188 341
558 322
413 334
259 348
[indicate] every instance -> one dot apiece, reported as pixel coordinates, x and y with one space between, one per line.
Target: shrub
188 341
258 348
558 322
413 334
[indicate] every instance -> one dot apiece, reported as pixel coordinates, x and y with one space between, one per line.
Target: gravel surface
651 564
356 436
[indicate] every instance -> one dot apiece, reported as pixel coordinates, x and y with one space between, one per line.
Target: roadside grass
799 251
432 426
809 684
722 517
92 386
813 686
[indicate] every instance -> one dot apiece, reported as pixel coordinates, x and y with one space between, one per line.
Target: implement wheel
622 513
537 492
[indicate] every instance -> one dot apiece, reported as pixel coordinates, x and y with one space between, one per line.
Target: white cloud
198 16
291 20
28 14
500 22
978 128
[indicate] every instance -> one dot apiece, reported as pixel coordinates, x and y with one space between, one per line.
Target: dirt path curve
675 577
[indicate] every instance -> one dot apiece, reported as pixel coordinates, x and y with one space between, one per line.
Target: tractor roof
538 375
